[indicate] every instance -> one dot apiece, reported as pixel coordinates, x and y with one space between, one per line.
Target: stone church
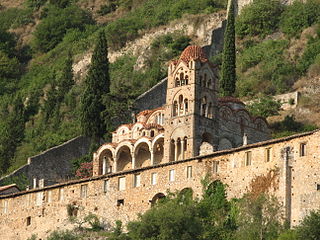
193 121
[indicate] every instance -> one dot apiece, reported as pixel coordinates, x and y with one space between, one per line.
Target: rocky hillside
277 51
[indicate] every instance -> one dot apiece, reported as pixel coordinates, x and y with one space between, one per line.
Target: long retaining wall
287 168
54 164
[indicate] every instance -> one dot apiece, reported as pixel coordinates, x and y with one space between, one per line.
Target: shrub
62 235
85 170
105 9
299 15
264 69
310 54
15 17
261 17
264 107
310 226
51 30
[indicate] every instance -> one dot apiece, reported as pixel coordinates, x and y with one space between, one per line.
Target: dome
193 53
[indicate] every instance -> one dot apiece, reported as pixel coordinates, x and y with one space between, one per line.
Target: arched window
186 106
203 110
210 110
205 80
152 133
175 109
180 105
186 79
181 79
209 83
185 147
177 82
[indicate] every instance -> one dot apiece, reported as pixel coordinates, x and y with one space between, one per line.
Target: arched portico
157 150
123 158
142 155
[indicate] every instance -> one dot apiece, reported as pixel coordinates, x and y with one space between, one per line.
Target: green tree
51 30
96 86
259 217
228 69
265 107
309 227
173 218
12 133
260 17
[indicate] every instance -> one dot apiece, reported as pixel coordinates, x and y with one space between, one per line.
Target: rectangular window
5 207
49 196
189 172
122 183
28 221
39 198
61 194
153 178
83 190
303 149
136 180
171 175
120 202
215 167
268 154
248 158
106 186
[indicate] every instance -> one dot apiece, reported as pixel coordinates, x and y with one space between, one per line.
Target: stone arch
180 105
175 109
224 143
156 198
225 113
157 148
123 156
214 187
137 127
186 193
261 124
206 146
142 154
122 130
157 117
106 160
206 137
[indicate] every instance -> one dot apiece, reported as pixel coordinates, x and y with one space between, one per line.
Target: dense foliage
228 68
56 23
259 18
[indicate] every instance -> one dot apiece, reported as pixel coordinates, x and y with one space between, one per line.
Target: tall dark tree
96 86
228 70
12 133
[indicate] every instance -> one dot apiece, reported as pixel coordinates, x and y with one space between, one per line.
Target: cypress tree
96 86
228 70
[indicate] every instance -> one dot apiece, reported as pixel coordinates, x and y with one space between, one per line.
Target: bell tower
191 105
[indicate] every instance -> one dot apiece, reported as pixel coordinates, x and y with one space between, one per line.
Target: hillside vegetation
277 46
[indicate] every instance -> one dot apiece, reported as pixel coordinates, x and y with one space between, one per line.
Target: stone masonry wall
54 164
293 178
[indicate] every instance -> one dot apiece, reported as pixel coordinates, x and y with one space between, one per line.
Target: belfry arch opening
124 159
106 162
142 155
158 151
